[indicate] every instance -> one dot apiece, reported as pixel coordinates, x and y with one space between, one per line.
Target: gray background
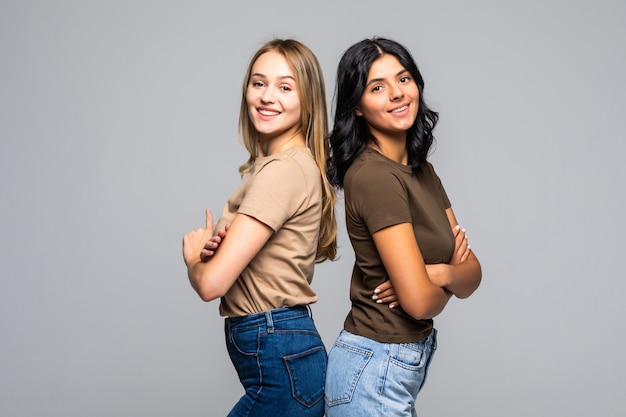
118 128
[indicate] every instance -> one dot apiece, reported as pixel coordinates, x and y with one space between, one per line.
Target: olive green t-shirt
379 193
283 191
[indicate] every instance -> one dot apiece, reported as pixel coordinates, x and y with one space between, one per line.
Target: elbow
209 294
205 296
464 294
468 290
424 314
471 286
424 311
206 290
426 304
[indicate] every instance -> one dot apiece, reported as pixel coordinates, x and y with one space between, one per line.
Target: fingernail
376 291
392 305
374 297
379 301
457 227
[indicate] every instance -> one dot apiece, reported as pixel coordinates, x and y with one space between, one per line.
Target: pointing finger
209 219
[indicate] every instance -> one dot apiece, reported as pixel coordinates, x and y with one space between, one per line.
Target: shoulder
292 160
428 173
372 170
429 169
293 164
292 172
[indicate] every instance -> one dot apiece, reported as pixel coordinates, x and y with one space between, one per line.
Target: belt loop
308 308
228 330
270 322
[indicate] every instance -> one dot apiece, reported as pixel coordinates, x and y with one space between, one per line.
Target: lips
399 109
267 112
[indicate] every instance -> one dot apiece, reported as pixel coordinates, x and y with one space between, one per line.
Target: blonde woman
280 223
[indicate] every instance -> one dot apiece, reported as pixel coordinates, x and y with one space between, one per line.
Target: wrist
192 261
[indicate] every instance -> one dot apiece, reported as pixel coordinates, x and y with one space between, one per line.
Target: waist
387 325
269 317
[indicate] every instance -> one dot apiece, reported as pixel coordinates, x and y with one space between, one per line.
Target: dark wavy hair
350 134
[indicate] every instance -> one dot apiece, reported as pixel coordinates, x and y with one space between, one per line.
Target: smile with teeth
266 112
400 109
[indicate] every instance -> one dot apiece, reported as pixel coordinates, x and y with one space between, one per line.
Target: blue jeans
281 362
369 378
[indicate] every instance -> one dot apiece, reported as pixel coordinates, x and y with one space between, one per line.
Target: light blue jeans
281 363
369 378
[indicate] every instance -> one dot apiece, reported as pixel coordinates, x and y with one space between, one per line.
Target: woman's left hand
211 246
385 293
461 246
194 241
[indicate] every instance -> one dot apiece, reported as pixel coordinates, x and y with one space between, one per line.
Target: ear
358 111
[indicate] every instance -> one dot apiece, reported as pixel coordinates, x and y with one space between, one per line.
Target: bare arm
213 278
463 274
401 256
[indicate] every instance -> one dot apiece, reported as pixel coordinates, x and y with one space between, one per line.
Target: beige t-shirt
284 191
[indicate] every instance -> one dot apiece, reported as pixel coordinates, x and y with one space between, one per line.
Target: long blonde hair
314 121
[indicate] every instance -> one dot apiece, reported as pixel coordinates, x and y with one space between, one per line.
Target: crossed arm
424 290
213 276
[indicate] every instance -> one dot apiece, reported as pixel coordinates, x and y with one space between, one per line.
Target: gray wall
118 128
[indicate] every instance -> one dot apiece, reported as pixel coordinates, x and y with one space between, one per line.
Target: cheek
249 97
367 108
416 93
373 112
293 105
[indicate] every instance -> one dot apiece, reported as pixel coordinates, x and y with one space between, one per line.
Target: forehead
385 66
272 64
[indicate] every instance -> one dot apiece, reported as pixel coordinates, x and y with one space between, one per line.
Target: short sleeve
378 198
442 192
275 193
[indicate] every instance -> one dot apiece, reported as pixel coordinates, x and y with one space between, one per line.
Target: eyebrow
283 77
375 80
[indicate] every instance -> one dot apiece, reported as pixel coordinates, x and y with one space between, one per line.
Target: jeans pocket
409 367
410 355
345 365
245 341
307 372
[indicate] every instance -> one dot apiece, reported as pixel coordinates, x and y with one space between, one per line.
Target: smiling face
390 101
272 98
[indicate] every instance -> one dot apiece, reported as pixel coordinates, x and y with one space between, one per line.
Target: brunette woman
402 228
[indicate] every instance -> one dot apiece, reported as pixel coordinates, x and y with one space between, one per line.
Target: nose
267 96
395 92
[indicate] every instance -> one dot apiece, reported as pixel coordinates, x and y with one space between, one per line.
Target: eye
257 83
285 88
405 79
377 88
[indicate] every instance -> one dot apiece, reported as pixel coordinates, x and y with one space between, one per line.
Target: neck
394 149
270 146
